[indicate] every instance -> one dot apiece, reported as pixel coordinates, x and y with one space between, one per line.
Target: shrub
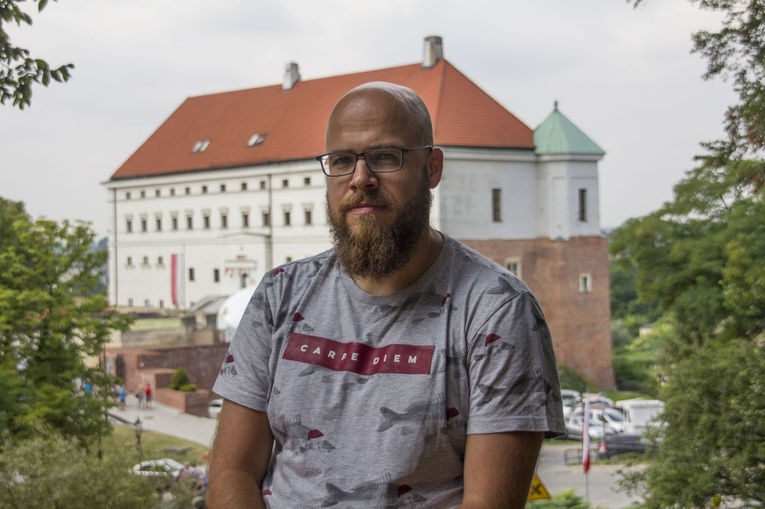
180 378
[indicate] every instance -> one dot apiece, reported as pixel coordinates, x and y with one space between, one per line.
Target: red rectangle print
359 358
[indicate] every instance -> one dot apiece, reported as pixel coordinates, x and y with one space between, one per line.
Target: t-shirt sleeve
512 372
245 376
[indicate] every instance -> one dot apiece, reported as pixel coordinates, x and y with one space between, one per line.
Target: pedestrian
398 368
141 394
149 395
122 395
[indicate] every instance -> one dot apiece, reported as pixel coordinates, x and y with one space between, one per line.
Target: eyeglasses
379 160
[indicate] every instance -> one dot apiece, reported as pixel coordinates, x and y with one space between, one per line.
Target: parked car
213 408
611 445
163 472
596 430
570 400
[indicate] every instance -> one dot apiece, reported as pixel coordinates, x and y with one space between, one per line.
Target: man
399 369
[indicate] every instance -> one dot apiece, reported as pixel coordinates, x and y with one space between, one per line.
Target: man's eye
341 160
384 156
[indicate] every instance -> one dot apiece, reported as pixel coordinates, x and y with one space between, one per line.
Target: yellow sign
537 490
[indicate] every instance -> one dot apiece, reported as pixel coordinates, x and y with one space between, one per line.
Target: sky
625 76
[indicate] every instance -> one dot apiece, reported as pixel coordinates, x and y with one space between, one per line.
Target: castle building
228 188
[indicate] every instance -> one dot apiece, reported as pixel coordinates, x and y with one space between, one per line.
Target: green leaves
18 71
51 321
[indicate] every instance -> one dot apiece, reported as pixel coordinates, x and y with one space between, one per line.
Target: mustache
376 198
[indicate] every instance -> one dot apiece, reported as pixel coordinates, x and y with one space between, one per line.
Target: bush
57 472
570 379
567 499
188 388
180 378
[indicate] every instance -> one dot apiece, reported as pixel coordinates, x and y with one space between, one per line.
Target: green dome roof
558 135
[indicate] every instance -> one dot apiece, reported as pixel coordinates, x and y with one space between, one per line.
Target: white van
639 413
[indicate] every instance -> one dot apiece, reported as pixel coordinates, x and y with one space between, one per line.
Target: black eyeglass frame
364 156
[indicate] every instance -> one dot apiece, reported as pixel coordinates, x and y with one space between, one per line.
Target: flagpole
586 449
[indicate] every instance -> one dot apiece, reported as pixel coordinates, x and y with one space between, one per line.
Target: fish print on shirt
492 345
452 365
533 383
228 368
418 413
377 493
427 302
299 437
503 287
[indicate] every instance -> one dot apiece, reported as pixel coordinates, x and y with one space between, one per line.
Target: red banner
359 358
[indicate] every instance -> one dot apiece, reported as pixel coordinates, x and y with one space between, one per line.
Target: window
307 181
130 302
129 261
262 184
160 261
144 225
256 139
157 193
287 218
145 261
288 259
216 275
266 219
172 191
583 205
146 303
143 194
159 224
206 221
244 186
200 146
187 190
224 221
245 220
161 304
189 222
513 265
308 217
585 283
223 188
174 222
285 183
129 225
204 189
191 273
127 195
496 205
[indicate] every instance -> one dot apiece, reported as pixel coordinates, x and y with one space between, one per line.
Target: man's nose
362 177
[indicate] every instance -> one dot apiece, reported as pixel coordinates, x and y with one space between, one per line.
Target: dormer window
200 146
256 139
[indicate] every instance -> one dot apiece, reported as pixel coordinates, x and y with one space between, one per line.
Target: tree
51 324
700 257
18 70
55 472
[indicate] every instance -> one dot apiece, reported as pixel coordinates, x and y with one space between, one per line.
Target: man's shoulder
300 271
482 274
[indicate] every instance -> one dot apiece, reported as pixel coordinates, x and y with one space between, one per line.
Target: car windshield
614 415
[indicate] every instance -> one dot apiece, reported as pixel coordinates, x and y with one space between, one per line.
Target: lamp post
138 425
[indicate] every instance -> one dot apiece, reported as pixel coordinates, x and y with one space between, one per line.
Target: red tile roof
295 121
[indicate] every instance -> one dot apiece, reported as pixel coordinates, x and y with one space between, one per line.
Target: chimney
291 76
433 51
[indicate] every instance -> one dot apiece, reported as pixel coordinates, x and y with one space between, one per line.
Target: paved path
170 421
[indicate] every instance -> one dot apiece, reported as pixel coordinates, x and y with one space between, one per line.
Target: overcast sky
625 76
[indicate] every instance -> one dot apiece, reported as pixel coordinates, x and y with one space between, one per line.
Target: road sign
537 491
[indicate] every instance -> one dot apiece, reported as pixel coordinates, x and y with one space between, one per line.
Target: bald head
386 100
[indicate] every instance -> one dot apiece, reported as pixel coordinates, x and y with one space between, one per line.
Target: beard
374 250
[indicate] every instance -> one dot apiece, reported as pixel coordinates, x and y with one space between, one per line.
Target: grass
154 445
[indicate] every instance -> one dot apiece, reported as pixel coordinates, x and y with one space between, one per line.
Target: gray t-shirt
370 397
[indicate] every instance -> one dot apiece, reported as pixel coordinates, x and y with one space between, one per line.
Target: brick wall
580 322
155 365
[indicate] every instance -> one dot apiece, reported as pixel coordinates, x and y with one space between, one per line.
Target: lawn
155 445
